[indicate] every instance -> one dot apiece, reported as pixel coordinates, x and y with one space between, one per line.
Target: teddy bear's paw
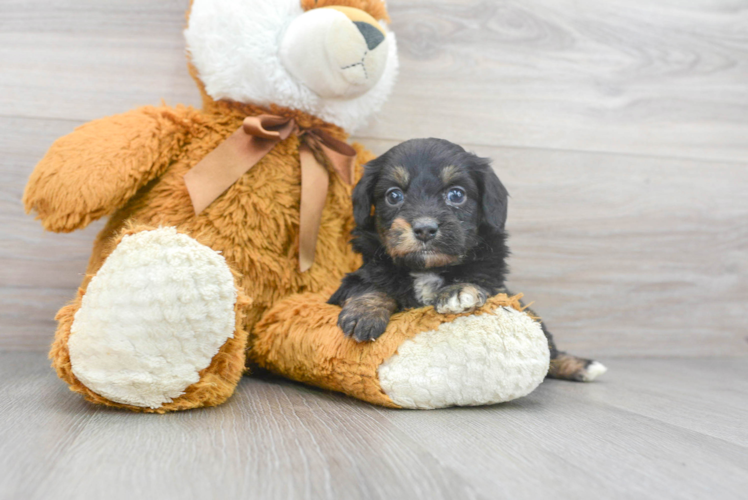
473 360
153 317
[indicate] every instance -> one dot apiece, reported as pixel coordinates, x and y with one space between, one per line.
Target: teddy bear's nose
372 35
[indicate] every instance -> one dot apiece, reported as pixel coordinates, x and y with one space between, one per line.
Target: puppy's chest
426 287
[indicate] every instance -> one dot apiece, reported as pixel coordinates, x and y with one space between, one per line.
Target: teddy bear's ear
375 8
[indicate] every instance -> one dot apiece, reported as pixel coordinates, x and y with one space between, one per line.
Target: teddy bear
228 229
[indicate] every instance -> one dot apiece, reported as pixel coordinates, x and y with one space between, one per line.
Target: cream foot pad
473 360
158 310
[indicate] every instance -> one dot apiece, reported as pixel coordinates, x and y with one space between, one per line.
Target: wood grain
665 78
278 440
39 271
83 59
600 440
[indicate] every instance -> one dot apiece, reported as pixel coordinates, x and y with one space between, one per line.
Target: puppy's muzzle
425 229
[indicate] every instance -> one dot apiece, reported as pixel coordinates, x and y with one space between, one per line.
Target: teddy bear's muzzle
337 52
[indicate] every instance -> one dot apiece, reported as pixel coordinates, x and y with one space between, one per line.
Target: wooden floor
621 131
652 429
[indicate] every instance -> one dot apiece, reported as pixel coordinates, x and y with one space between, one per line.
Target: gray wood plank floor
652 428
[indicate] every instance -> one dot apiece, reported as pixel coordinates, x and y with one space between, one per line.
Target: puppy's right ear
494 196
363 193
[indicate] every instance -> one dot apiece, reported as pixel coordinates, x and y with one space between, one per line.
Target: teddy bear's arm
94 170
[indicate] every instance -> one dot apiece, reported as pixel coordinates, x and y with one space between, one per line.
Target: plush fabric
299 338
475 359
153 317
254 224
130 167
243 68
216 382
351 64
375 8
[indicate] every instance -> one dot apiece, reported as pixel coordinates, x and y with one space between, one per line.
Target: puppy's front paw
362 327
460 298
366 317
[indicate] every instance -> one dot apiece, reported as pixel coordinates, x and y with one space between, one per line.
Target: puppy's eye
456 196
394 196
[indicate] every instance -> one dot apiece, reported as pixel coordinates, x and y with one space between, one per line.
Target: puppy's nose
425 229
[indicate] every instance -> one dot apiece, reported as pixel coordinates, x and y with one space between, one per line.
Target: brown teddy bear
229 228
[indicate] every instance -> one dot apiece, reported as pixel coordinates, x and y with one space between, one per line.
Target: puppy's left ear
494 196
363 193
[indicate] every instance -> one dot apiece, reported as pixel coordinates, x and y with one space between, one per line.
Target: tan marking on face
439 260
400 240
401 176
448 174
568 367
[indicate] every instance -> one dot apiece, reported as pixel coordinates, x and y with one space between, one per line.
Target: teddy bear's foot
157 327
472 360
424 360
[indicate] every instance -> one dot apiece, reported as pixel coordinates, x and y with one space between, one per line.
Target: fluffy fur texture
254 224
336 53
375 8
501 356
158 310
216 382
455 267
432 363
130 167
234 47
435 237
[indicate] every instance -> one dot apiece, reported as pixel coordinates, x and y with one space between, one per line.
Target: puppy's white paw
460 298
594 370
568 367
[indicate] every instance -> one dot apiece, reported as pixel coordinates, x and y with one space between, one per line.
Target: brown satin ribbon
223 166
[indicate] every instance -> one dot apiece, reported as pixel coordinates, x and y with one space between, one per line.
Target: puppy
430 227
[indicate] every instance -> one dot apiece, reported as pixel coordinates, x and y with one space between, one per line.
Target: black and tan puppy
430 227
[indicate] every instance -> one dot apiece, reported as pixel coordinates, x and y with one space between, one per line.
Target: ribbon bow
257 136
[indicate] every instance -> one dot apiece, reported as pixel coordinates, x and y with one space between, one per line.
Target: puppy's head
433 202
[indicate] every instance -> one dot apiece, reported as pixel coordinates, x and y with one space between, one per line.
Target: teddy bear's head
335 59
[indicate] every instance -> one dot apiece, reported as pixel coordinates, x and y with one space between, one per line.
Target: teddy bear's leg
424 359
158 328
